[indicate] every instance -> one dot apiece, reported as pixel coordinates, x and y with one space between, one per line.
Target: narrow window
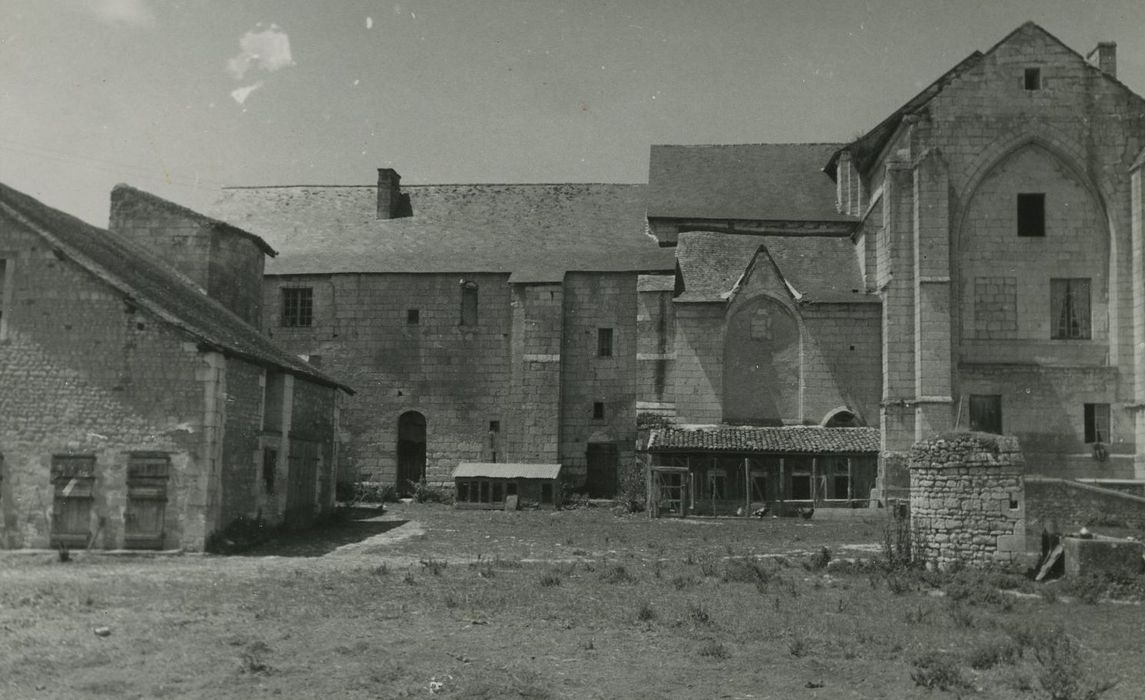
494 426
1032 215
1069 309
469 304
462 490
297 307
269 467
1096 422
986 413
604 342
413 317
1033 79
598 410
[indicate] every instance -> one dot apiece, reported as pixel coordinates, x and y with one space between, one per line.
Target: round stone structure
967 500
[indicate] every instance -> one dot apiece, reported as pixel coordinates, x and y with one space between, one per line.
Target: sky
182 97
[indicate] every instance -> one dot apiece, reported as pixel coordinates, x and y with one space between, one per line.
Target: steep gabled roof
866 149
816 268
151 283
795 439
756 182
535 232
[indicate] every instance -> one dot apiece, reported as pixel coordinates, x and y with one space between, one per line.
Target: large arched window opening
762 365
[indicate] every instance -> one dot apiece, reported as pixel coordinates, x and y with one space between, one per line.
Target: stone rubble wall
967 502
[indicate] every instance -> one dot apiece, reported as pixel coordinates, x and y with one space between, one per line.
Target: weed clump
550 581
938 670
617 574
646 613
715 650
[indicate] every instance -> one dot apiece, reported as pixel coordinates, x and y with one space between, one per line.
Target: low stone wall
967 500
1064 506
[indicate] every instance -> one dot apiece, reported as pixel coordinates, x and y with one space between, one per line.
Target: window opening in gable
1032 78
598 410
1032 215
1096 422
297 307
1069 309
986 413
469 304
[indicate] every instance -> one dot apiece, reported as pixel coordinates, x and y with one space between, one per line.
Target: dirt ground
424 600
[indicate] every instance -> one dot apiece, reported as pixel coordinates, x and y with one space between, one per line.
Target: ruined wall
1065 506
967 499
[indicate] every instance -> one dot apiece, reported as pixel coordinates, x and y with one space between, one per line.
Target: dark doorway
411 452
602 462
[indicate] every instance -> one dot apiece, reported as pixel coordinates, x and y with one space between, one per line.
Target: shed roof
535 232
503 470
805 440
758 182
145 278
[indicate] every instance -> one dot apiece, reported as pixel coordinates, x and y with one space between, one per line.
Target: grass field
576 604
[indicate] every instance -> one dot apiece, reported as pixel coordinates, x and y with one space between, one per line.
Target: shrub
617 574
645 613
745 571
994 653
631 488
896 543
818 561
715 650
937 670
424 493
550 580
698 614
434 566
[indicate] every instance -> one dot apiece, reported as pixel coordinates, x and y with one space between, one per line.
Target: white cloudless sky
95 92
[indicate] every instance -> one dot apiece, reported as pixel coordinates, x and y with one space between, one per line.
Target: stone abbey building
974 261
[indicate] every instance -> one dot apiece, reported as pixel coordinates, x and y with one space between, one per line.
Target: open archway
411 451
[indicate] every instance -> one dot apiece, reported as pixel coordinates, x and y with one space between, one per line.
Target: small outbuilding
497 486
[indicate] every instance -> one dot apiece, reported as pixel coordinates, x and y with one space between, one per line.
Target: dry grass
541 605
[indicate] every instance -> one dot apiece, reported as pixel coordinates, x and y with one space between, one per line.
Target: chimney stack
389 193
1106 61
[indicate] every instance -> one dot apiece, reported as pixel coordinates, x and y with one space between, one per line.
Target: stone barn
137 410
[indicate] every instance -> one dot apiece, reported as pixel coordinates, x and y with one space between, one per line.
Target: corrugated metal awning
498 470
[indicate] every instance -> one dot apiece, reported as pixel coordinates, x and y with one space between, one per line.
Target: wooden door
300 483
602 463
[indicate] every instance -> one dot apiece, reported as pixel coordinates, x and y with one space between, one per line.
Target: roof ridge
442 184
758 143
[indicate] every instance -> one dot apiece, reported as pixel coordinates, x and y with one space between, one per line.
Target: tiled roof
767 181
535 232
816 268
499 470
149 281
780 440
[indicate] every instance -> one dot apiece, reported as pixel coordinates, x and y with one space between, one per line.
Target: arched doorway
411 451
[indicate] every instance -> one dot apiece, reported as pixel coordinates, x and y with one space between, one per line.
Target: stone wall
967 500
1065 506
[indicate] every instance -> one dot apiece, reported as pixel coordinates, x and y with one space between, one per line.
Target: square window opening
297 307
1070 314
986 413
1032 215
598 410
1032 79
413 316
1096 423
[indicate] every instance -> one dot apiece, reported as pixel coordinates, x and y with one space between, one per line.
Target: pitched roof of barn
503 470
821 269
535 232
796 439
148 281
758 182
